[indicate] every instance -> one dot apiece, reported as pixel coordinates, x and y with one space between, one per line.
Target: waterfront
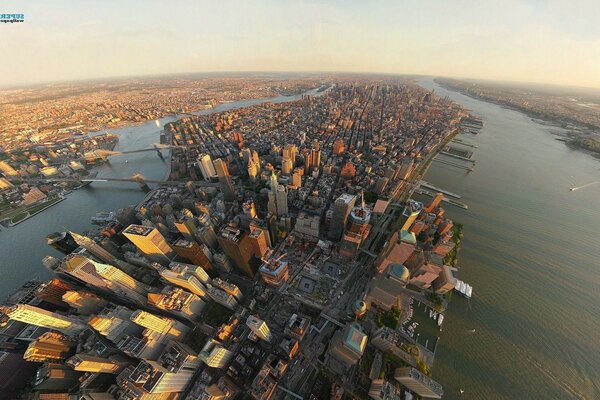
23 246
530 249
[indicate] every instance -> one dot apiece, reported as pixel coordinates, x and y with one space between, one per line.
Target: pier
429 186
457 165
456 140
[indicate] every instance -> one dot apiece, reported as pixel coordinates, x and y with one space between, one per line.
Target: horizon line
249 72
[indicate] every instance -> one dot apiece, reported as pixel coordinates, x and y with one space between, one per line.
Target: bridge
137 178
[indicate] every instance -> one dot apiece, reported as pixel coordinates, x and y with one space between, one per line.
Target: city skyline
533 41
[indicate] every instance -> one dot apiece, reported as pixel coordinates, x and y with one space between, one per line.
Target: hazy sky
552 41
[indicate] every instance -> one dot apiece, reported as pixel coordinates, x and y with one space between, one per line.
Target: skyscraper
90 363
410 213
281 196
150 242
259 328
93 248
7 170
215 355
194 252
103 276
286 166
62 241
238 247
206 167
50 346
187 227
341 209
224 179
435 202
39 317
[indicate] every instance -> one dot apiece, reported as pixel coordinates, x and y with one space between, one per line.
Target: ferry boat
103 218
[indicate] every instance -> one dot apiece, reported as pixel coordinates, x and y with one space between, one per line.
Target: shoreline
571 135
57 200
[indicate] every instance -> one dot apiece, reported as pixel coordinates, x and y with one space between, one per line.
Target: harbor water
531 250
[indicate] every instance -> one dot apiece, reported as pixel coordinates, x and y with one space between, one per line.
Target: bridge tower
139 178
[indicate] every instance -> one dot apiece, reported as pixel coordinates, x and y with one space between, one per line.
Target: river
531 249
24 246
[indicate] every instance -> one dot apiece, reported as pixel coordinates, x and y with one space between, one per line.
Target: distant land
575 109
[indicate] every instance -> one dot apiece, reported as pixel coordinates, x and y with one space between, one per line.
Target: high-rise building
7 170
238 247
315 156
386 287
435 202
215 355
50 346
162 325
52 292
187 227
178 302
253 170
410 213
222 298
274 273
259 242
246 155
297 177
257 224
85 303
228 288
5 184
249 209
286 166
259 328
281 198
341 209
198 254
289 152
89 363
39 317
192 279
357 230
206 167
150 242
207 235
348 344
419 383
150 379
93 248
224 179
104 277
381 389
62 241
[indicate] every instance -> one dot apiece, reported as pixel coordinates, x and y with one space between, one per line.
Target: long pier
455 140
457 156
457 165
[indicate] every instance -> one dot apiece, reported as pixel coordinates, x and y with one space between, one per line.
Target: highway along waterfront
531 249
23 246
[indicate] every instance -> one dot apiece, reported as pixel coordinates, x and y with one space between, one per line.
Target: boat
440 319
103 217
464 289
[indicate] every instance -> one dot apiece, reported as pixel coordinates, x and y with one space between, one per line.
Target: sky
545 41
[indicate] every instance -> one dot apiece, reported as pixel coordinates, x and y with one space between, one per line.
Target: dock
461 142
429 186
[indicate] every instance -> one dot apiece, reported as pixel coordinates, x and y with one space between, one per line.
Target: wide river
531 249
23 247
